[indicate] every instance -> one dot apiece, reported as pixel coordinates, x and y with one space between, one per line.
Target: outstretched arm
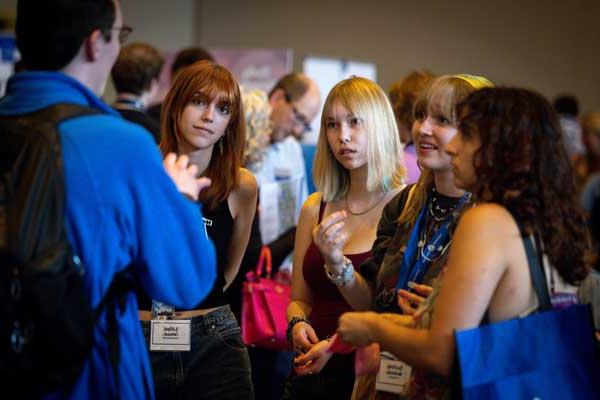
476 263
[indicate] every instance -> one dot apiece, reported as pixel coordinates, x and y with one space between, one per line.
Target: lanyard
130 103
419 255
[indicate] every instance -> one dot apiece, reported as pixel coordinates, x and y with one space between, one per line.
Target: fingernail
412 285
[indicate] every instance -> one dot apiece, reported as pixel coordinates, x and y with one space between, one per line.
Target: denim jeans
216 367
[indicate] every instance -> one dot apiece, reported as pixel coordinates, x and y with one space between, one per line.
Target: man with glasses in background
295 101
123 210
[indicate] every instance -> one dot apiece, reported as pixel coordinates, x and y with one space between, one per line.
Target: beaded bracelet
290 327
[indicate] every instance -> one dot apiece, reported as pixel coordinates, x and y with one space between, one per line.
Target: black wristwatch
290 327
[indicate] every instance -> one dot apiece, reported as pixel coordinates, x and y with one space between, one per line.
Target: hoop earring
420 166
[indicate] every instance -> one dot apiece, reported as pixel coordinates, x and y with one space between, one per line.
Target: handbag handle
264 258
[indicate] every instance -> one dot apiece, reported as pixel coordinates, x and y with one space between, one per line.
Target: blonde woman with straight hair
358 169
416 227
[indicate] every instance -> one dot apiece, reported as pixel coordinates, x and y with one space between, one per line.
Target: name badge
393 375
170 335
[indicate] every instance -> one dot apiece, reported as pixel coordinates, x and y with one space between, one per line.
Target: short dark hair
566 104
137 65
49 33
294 85
189 56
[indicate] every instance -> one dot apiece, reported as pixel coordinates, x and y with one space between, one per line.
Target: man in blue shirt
121 206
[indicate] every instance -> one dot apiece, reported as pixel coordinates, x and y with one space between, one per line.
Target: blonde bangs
365 100
445 93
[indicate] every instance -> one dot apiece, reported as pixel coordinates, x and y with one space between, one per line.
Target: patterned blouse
383 269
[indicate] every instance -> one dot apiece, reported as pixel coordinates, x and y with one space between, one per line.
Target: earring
221 145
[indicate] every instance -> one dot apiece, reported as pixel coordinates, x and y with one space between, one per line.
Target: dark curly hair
522 164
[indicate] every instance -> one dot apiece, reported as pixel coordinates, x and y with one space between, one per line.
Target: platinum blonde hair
367 101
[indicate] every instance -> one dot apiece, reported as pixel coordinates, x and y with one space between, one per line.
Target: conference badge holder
166 333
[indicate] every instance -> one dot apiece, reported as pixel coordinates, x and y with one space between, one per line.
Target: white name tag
170 335
393 375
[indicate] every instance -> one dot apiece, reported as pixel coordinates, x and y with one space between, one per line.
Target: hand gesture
183 175
330 238
304 336
355 328
409 302
313 361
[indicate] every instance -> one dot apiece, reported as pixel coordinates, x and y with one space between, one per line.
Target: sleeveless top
218 225
328 303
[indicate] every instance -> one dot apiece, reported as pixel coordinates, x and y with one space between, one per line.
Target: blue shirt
121 209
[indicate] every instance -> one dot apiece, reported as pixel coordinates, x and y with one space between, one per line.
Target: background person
135 76
403 95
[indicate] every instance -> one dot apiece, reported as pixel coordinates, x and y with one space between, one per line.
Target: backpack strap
536 270
54 114
122 283
45 123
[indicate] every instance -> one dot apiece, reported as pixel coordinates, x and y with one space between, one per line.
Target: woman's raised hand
330 238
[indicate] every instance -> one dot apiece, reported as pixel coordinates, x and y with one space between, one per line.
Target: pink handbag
264 304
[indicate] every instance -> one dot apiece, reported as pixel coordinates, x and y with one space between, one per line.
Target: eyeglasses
299 118
124 32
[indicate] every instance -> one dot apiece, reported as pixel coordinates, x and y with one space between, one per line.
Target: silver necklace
367 210
434 207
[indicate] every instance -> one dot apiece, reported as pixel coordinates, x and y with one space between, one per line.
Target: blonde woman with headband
358 169
416 227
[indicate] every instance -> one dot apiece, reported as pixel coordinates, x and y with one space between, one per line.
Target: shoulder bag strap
536 269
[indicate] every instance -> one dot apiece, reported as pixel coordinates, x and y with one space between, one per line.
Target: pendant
420 243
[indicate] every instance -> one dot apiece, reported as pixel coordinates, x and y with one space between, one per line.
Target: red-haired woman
202 117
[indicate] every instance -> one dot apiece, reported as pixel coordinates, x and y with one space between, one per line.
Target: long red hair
211 80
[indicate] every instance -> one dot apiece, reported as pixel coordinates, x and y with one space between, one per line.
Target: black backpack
46 321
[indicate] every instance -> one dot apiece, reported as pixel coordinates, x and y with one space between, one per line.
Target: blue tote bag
549 355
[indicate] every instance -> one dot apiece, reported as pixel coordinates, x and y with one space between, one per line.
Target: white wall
551 46
168 25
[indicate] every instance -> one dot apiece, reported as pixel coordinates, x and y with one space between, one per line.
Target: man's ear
277 96
92 45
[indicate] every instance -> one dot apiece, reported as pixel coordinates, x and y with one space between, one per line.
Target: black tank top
218 224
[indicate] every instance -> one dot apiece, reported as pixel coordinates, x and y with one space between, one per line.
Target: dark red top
328 303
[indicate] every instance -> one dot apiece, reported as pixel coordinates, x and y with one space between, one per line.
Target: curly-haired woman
509 154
